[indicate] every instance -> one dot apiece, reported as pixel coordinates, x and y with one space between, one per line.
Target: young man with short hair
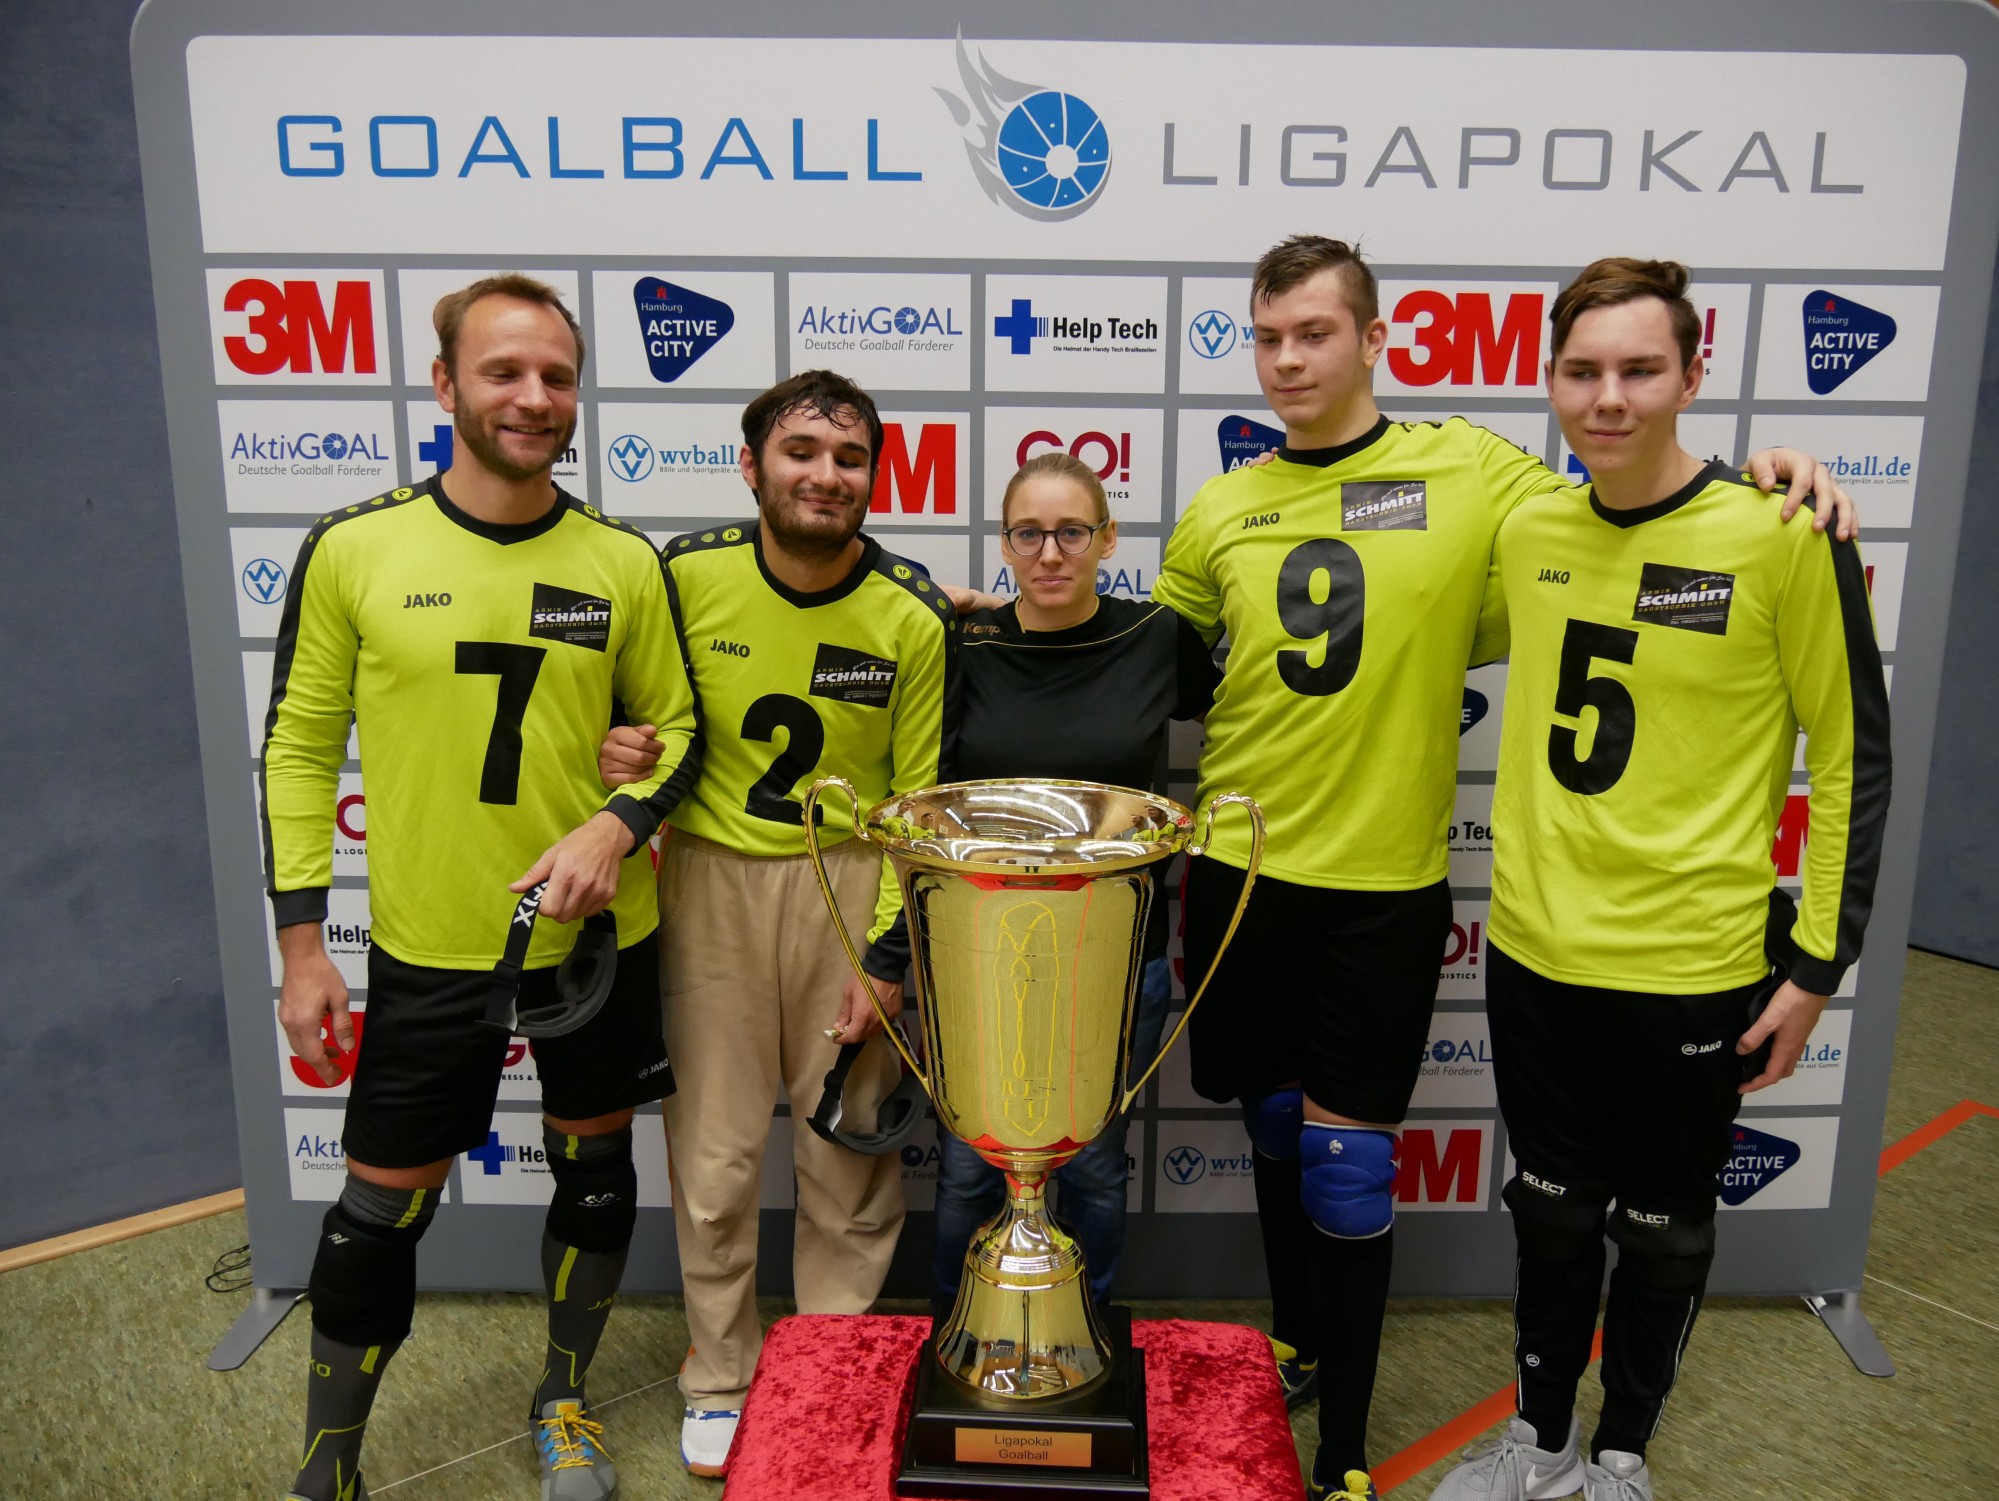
813 652
1348 576
478 630
1670 635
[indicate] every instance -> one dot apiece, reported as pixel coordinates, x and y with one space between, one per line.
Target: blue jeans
1090 1194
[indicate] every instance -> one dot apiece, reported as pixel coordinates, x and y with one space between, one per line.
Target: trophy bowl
1026 903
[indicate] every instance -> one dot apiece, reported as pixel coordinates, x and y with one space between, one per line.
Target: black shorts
1627 1095
429 1070
1329 988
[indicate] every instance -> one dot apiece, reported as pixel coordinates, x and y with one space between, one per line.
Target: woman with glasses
1065 683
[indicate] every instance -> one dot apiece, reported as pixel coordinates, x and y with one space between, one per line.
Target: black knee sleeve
1667 1252
363 1284
596 1189
1555 1221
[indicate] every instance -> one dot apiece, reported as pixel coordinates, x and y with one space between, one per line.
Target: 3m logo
1467 336
298 327
1443 1165
919 474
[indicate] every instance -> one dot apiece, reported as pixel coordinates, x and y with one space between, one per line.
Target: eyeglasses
1027 541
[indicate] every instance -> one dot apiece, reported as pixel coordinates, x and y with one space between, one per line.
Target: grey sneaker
1512 1468
1621 1477
574 1464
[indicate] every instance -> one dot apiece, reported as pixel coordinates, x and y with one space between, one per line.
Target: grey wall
1957 880
114 1094
113 1074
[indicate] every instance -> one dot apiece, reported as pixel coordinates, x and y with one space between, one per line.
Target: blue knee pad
1348 1182
1274 1121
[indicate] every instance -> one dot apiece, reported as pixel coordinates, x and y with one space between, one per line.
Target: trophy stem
1025 1294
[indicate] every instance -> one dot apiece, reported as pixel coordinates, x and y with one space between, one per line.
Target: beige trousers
750 977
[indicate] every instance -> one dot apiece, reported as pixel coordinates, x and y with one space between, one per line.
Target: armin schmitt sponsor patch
571 617
1690 598
1394 505
852 677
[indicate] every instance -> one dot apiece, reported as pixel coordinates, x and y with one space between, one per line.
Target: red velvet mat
825 1414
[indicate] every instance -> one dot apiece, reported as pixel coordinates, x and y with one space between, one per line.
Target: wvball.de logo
631 458
1212 334
264 580
1186 1165
1043 153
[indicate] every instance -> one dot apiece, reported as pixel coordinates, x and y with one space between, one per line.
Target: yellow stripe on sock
570 1150
410 1214
562 1276
368 1360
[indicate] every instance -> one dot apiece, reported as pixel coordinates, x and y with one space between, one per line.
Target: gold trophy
1027 904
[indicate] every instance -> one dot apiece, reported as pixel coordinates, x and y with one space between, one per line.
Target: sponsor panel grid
1011 320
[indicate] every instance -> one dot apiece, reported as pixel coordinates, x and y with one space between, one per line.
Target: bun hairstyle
1058 465
1619 279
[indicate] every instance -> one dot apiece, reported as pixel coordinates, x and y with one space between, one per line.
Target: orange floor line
1894 1155
1473 1421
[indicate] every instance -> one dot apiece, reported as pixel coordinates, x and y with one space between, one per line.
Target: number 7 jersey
1350 582
480 665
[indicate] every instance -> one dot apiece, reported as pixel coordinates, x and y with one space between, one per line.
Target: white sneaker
1621 1477
705 1436
1512 1468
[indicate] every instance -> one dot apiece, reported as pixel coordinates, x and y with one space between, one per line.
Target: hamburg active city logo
1043 153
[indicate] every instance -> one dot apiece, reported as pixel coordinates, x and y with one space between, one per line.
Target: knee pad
1274 1121
1667 1252
363 1284
596 1199
1555 1220
1348 1179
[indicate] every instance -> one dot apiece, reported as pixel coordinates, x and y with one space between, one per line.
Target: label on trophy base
1019 1446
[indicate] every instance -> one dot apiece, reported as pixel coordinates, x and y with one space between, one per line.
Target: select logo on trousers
1396 505
571 617
678 325
1691 599
852 677
1841 336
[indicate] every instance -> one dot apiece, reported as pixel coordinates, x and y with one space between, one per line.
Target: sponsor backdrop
1035 244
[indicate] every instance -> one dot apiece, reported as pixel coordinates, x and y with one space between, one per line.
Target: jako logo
1457 339
631 458
1186 1165
1046 157
264 580
1841 335
1213 334
290 325
922 483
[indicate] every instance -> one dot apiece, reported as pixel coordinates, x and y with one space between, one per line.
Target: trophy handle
1200 847
810 810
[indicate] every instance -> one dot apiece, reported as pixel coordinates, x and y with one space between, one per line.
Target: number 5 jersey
1349 581
1663 661
480 665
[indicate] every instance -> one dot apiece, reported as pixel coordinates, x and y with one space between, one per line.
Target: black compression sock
339 1394
1350 1294
1287 1239
582 1285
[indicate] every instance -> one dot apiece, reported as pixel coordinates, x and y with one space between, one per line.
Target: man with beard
478 630
813 652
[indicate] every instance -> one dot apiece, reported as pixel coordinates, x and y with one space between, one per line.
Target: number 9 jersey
480 664
849 681
1349 581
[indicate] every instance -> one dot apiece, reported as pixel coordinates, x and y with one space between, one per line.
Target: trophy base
963 1443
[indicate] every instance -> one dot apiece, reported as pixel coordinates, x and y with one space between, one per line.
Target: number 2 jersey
1350 582
1663 661
849 681
480 664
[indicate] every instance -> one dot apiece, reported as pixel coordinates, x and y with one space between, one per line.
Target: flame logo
1042 153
